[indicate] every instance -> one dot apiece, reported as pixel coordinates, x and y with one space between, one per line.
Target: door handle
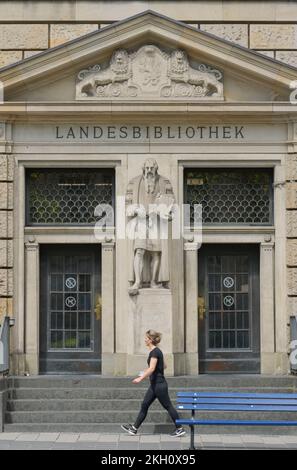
201 308
98 307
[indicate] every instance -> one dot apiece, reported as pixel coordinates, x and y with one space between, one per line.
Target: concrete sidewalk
71 441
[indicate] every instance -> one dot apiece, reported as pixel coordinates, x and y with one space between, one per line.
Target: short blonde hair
155 336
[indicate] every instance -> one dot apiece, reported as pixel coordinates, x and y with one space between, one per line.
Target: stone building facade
27 28
237 118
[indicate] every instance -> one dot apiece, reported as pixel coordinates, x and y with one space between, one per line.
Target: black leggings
160 391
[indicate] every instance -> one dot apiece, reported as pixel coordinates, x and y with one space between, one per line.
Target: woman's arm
149 371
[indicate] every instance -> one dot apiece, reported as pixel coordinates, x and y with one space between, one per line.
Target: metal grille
228 302
67 197
230 196
70 291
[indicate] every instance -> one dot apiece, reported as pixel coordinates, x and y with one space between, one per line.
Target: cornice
154 27
218 111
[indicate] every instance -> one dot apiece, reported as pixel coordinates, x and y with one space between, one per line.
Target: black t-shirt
158 374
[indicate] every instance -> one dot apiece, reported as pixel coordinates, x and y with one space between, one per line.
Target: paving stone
109 438
63 445
89 437
149 446
127 446
251 438
167 437
211 438
85 445
287 439
152 439
9 436
21 446
67 437
4 445
273 440
232 439
107 446
41 445
28 437
291 446
171 446
48 437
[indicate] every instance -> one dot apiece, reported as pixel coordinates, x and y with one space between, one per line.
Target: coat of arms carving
149 73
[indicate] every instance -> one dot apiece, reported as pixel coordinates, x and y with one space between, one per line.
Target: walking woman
158 387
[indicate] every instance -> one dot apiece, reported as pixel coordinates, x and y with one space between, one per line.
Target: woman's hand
137 380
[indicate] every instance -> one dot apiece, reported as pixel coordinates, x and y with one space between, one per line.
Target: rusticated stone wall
29 27
6 234
291 187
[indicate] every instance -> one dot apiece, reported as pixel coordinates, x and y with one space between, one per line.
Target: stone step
146 428
77 405
80 404
218 381
116 416
122 393
101 404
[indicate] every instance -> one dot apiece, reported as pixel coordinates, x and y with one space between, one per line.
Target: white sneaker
129 428
178 432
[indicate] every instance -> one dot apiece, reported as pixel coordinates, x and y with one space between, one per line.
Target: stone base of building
122 364
131 365
274 363
151 309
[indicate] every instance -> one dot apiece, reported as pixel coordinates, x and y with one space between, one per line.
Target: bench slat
223 422
238 401
234 401
235 407
237 394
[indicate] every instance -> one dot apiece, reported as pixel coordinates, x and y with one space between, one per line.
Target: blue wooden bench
234 401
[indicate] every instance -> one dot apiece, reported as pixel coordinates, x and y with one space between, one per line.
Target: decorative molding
292 137
191 246
31 245
108 246
149 73
2 131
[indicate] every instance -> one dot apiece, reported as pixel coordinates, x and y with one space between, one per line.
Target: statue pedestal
151 309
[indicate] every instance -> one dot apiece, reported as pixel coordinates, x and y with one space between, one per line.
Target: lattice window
231 196
229 310
67 197
70 318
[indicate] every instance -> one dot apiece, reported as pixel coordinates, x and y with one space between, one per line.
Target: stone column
267 319
108 313
191 307
32 307
18 331
281 319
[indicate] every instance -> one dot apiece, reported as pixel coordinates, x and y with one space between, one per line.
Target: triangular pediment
148 57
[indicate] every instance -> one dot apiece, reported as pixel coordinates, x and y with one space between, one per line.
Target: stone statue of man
150 199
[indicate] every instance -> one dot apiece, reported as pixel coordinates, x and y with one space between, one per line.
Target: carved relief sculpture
149 73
